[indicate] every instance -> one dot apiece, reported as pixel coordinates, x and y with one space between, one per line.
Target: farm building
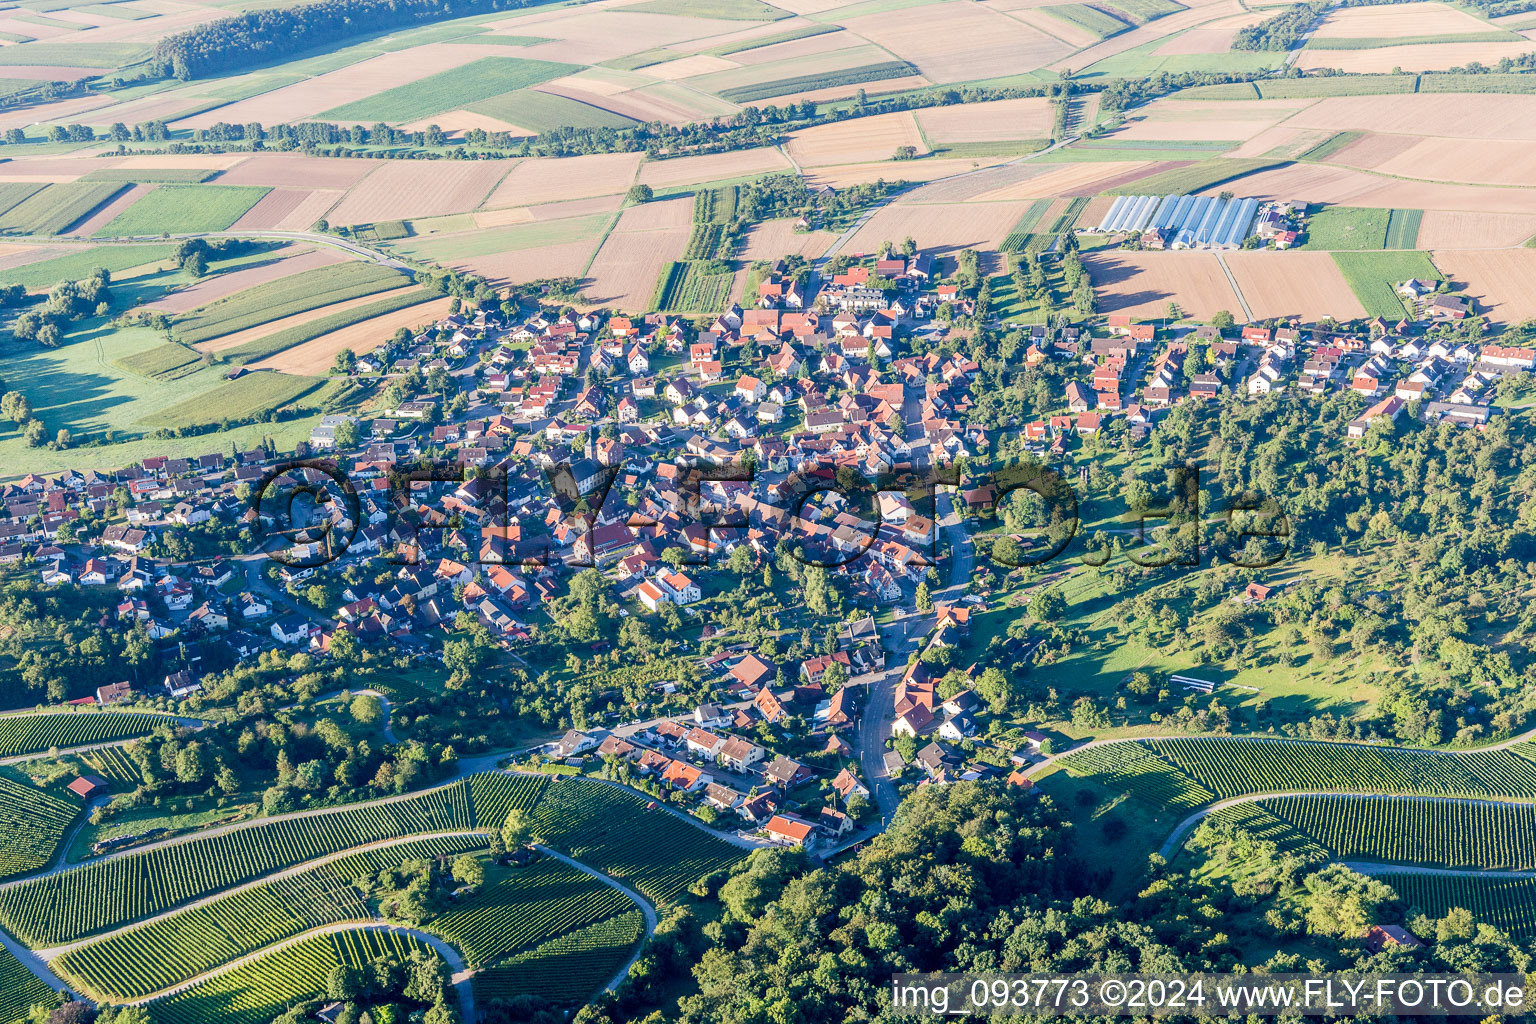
1182 222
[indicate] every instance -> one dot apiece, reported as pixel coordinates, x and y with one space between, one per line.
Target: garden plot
1000 121
1141 284
402 189
956 42
648 237
1286 284
549 180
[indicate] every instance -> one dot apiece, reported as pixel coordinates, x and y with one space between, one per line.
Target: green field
1346 227
731 10
1403 229
140 962
1090 18
297 293
1428 833
825 80
1146 10
258 991
106 894
78 265
32 825
1018 238
254 395
450 90
540 112
609 828
1330 145
566 970
494 794
1493 82
32 734
152 175
1133 768
74 55
184 209
1372 276
273 343
54 209
166 362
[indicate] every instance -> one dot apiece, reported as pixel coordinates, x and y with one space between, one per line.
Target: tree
15 407
924 601
640 194
196 264
1047 605
343 983
468 868
34 432
1343 903
516 831
366 709
1223 320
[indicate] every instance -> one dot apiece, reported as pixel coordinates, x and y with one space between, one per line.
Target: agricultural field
1286 284
1344 227
77 264
1428 833
169 950
255 394
55 208
459 88
524 907
1508 904
1372 275
266 269
1133 768
567 969
262 989
495 794
35 733
19 989
1141 284
284 297
361 331
70 906
183 209
627 267
1498 280
693 287
32 825
610 829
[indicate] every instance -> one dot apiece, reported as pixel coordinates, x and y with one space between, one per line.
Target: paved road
1176 837
1241 301
1372 868
640 901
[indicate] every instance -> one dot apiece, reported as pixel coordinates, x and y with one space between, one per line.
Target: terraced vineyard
32 825
256 992
527 906
109 893
1407 831
1260 823
493 794
19 989
1230 766
610 829
1508 904
31 734
114 763
142 961
564 970
1132 768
